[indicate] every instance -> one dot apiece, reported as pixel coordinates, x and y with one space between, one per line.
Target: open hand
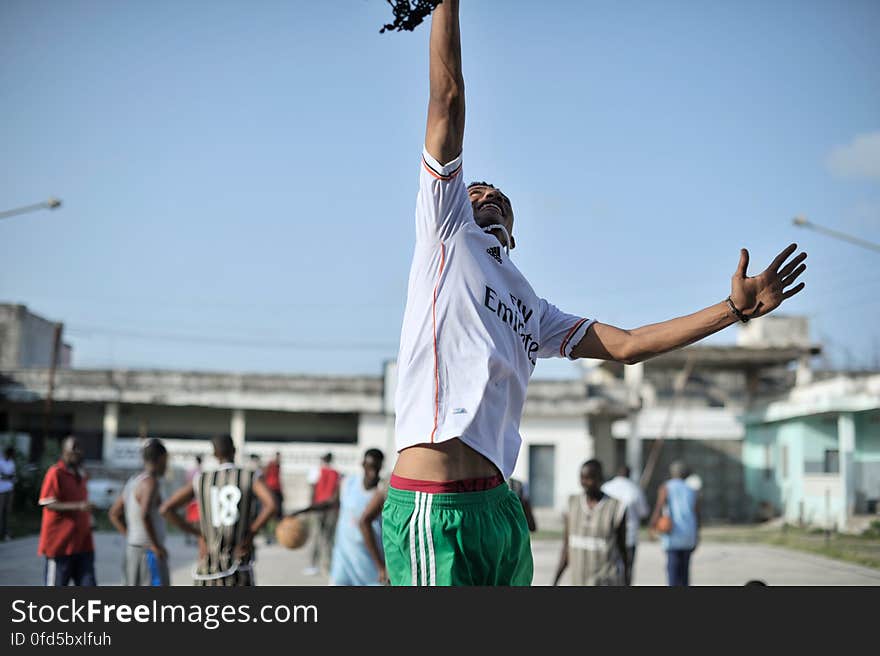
759 295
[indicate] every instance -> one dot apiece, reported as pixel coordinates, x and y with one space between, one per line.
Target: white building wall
572 443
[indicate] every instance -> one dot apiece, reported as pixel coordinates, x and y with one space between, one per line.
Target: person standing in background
227 497
191 513
622 488
7 487
66 530
272 477
521 490
679 501
357 556
135 514
595 533
325 491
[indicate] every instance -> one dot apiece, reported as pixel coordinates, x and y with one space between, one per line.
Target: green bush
29 478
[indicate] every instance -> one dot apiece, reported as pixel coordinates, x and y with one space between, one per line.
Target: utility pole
37 449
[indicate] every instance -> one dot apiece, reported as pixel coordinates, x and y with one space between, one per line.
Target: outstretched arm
752 296
445 130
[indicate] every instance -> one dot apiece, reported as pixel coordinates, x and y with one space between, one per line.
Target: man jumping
472 332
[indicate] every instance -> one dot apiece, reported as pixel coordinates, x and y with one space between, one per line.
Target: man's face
591 480
491 207
372 466
71 452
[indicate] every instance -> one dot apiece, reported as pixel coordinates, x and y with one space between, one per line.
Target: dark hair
755 583
327 457
224 446
9 451
592 462
375 453
153 450
624 470
481 183
199 459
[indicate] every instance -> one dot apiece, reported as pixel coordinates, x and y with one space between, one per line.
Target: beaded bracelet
739 315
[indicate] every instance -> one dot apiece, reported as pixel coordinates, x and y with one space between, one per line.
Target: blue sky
239 178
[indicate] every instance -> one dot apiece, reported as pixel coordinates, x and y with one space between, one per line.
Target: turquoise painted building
813 457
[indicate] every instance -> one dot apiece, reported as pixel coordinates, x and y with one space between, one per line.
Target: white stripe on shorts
422 538
432 567
412 540
50 572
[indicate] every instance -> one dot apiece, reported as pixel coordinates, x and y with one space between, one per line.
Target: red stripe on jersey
437 175
568 337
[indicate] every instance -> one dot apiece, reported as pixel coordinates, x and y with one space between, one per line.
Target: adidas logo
495 252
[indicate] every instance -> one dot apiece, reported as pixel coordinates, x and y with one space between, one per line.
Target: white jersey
472 330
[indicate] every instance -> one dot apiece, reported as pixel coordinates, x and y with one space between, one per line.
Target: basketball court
713 564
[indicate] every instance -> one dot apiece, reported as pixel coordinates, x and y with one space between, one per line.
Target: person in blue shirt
357 560
680 502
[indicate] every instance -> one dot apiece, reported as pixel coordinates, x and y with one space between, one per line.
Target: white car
104 491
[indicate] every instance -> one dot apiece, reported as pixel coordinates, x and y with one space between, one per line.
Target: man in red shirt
272 478
66 531
325 488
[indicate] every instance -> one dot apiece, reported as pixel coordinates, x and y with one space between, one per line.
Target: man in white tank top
136 515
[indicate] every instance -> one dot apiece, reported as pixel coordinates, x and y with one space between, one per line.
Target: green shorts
465 538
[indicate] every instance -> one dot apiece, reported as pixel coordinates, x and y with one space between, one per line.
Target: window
768 461
832 461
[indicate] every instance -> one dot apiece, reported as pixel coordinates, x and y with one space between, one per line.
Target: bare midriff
451 460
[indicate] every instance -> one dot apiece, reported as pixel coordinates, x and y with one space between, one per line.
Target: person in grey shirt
136 515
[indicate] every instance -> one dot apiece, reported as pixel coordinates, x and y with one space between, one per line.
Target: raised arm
751 297
445 130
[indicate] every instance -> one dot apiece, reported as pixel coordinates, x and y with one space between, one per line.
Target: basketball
292 532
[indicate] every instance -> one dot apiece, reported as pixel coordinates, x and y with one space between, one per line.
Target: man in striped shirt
594 543
227 498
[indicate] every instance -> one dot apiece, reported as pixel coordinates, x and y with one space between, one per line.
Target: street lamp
801 222
51 204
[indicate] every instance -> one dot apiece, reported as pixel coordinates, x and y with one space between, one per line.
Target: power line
235 341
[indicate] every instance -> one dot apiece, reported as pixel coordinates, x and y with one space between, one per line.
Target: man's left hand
759 295
244 548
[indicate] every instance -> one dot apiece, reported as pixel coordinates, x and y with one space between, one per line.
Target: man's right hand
161 552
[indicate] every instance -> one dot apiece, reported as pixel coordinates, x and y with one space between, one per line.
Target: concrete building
812 455
688 406
303 417
27 340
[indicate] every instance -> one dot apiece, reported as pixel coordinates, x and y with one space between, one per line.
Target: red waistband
445 487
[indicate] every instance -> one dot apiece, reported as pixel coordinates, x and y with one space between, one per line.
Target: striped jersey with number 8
227 507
